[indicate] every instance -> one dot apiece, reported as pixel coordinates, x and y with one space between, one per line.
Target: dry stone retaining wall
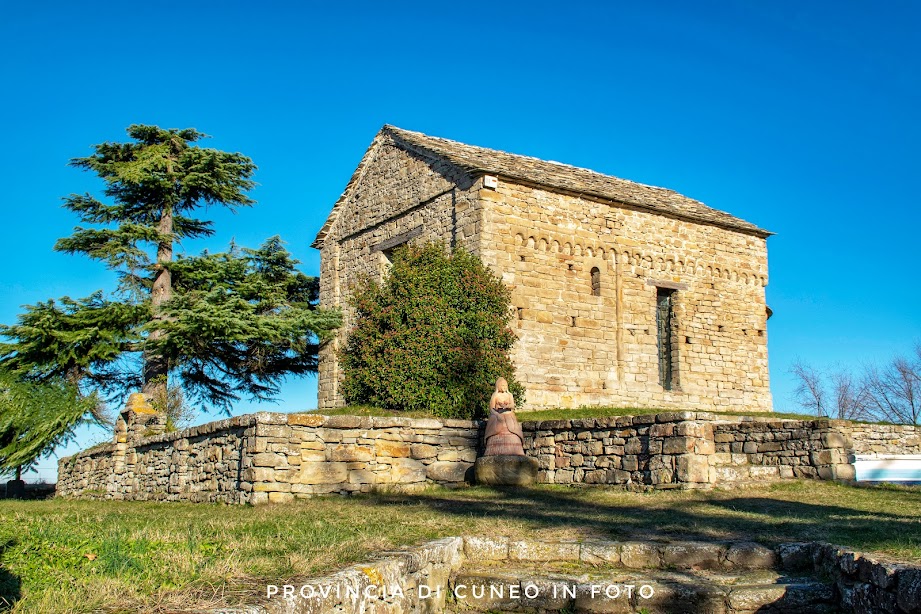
666 450
777 449
271 457
90 474
298 455
201 464
268 457
885 438
863 583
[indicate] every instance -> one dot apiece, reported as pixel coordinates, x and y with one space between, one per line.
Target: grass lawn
82 556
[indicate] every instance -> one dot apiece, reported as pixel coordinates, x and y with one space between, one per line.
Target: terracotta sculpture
504 462
503 433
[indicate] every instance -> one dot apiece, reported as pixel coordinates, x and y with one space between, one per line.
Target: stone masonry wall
578 349
270 457
90 474
667 450
885 438
201 464
299 455
399 194
779 449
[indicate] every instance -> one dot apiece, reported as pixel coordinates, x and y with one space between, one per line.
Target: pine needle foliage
156 182
35 417
218 326
240 322
433 337
77 340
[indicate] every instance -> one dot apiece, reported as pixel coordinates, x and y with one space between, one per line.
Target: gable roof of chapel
553 175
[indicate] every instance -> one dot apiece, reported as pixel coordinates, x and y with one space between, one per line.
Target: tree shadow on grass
544 511
10 584
640 516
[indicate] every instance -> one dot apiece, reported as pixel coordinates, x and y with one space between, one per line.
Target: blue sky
799 117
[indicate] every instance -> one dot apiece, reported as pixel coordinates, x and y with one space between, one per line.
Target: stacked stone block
137 421
300 455
668 450
270 457
751 450
885 438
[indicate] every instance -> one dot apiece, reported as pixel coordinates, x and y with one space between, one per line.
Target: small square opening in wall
521 258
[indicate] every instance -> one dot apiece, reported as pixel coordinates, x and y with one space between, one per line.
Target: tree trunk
156 366
19 473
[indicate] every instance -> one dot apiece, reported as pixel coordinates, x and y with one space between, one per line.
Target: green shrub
433 337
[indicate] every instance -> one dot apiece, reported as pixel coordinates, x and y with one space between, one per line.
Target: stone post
680 447
692 467
834 461
135 422
138 420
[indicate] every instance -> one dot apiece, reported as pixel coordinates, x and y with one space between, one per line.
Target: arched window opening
596 282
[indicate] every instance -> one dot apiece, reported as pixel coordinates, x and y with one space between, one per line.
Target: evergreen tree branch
223 326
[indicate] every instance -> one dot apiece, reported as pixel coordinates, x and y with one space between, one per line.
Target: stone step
616 591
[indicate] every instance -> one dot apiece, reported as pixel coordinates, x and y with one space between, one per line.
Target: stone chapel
625 294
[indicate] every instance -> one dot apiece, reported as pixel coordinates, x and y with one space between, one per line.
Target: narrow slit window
596 281
665 336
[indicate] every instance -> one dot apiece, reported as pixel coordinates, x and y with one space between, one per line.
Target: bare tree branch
850 395
894 391
810 393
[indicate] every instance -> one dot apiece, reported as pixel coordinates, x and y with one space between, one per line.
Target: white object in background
888 468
